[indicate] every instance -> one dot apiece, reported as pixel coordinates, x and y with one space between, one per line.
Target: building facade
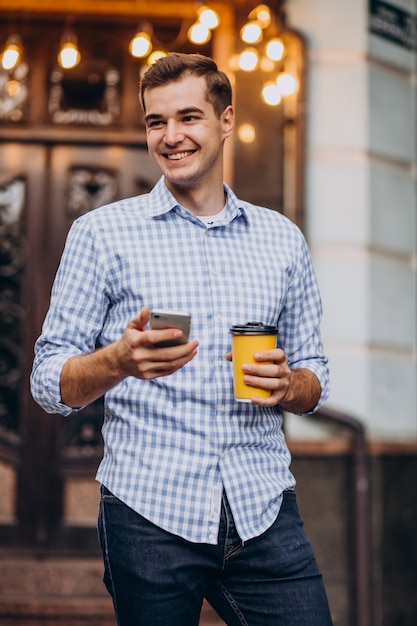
342 163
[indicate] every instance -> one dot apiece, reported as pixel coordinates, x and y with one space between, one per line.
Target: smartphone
161 320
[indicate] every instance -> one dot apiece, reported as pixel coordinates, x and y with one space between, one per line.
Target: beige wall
362 210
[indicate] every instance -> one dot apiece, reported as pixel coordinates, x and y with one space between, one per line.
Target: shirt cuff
52 389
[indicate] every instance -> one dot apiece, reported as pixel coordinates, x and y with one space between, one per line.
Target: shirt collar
162 201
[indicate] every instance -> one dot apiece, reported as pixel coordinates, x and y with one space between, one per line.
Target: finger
169 355
139 322
167 337
276 355
270 384
272 400
270 370
165 361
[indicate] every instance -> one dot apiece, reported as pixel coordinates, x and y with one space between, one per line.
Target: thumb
139 322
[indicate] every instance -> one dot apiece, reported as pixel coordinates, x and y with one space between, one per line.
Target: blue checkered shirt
174 443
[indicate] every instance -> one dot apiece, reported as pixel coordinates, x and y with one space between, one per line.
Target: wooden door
48 462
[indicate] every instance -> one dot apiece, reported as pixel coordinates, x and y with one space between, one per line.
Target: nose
173 133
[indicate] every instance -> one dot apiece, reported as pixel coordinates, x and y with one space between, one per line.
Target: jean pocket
107 496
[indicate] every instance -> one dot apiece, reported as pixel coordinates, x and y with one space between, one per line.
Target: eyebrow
185 111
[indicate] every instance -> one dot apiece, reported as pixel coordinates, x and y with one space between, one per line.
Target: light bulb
208 17
248 60
251 33
246 133
12 52
287 84
274 49
266 64
141 45
13 88
271 94
234 63
155 56
261 14
198 33
69 56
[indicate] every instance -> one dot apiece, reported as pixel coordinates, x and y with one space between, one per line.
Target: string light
286 84
141 45
12 52
271 93
259 25
207 20
251 33
209 17
261 14
69 56
246 133
274 49
155 55
199 33
248 60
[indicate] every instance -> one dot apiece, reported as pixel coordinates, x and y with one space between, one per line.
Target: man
197 499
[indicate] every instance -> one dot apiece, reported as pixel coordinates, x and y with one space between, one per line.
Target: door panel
84 177
47 463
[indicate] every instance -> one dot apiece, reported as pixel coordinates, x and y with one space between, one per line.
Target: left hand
271 372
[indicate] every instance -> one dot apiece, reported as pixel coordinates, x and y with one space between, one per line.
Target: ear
228 121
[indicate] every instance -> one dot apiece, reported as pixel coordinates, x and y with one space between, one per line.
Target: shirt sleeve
299 323
79 301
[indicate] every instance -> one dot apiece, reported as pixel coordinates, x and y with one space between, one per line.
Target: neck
200 201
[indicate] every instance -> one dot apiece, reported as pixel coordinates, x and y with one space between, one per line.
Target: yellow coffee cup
247 339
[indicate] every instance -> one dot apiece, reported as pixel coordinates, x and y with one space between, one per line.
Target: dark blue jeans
158 579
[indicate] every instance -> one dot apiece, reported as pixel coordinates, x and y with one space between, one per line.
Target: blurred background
326 104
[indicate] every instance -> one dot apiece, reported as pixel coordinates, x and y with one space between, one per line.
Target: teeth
178 155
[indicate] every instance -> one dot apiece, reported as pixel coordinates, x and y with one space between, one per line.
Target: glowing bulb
12 52
251 33
287 84
248 60
10 57
155 56
198 33
261 14
141 45
208 17
271 94
246 133
13 88
69 56
234 63
274 49
266 65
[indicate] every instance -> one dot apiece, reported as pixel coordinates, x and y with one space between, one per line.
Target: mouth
177 156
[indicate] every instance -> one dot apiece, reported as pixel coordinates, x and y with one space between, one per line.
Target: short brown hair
176 65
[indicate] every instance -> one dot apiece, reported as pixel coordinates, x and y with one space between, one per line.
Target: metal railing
361 511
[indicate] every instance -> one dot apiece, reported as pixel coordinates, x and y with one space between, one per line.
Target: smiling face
185 137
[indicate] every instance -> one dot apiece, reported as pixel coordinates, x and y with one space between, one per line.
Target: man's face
184 135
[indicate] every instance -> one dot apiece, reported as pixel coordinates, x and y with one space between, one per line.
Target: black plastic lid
253 328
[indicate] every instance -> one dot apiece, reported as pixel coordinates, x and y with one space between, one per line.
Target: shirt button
222 409
212 533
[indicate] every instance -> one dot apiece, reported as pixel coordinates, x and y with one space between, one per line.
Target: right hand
138 356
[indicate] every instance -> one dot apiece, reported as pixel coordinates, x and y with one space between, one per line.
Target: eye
154 123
